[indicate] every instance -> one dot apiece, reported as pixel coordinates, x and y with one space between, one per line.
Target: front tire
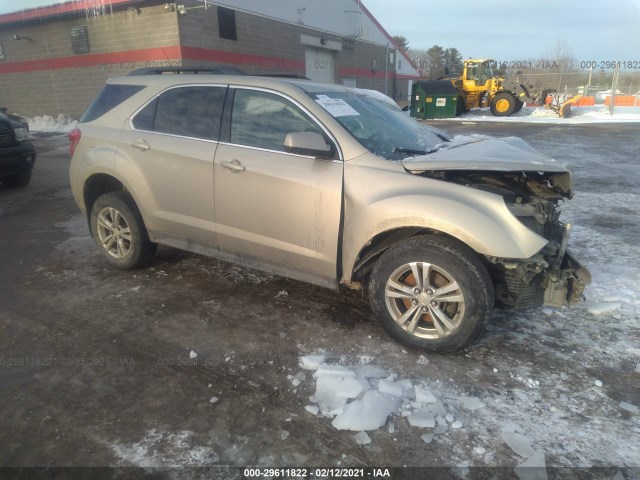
503 105
118 230
18 180
432 293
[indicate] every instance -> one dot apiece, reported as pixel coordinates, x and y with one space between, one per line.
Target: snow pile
363 397
45 123
595 114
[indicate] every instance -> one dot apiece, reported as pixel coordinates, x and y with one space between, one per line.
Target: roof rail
283 75
214 69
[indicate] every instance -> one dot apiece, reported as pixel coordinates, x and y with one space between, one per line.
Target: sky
593 30
507 31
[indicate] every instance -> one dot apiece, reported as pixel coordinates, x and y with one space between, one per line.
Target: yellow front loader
479 87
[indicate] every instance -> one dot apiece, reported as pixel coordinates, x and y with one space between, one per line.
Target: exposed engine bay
552 276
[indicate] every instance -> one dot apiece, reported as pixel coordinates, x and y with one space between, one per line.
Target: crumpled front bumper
565 285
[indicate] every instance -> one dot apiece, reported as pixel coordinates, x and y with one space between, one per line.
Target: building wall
44 76
266 45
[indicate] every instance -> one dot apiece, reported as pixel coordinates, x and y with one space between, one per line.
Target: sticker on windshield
336 106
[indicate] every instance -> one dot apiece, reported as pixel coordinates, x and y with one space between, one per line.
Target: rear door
168 149
272 205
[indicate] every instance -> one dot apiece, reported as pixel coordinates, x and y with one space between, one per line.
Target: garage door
319 65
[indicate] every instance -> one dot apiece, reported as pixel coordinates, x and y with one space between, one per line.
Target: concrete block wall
44 76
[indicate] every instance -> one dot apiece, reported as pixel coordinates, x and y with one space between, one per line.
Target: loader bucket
565 108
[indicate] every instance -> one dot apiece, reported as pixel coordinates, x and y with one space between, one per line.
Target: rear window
109 97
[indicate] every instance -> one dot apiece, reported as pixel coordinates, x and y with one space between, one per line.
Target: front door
271 205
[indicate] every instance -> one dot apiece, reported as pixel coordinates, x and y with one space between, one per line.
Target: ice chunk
192 354
472 403
427 437
422 360
598 383
405 413
332 392
518 442
440 429
390 388
362 438
368 413
371 371
391 428
421 419
629 407
534 468
601 308
335 370
311 362
405 383
457 424
424 395
479 451
284 434
213 399
448 417
312 409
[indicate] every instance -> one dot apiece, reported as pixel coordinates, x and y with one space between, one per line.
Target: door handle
140 145
234 165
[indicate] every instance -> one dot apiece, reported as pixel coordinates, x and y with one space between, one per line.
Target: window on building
263 120
227 23
79 39
185 111
2 57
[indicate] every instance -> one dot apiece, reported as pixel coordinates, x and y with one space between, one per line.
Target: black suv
17 155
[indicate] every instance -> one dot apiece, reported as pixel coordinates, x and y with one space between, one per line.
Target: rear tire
118 230
432 293
17 181
503 105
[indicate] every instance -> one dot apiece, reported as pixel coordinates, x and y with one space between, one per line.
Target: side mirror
308 143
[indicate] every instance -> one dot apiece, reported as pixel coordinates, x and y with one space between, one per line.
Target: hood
509 154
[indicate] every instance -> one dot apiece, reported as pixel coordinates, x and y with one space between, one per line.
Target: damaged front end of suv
532 187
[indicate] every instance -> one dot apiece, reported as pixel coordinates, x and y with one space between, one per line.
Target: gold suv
328 185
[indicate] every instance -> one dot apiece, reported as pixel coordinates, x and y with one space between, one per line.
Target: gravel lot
96 367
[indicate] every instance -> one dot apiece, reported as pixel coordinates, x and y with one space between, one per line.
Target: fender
381 197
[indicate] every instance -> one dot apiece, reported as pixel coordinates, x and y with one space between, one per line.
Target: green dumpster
434 99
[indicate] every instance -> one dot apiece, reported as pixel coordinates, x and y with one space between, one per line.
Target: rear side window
185 111
109 97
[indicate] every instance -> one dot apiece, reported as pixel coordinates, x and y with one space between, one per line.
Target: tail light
74 139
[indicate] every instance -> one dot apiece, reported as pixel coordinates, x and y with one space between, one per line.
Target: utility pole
614 87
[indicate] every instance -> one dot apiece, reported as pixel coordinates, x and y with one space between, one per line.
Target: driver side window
263 120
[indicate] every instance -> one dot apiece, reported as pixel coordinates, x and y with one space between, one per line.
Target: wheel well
98 185
380 243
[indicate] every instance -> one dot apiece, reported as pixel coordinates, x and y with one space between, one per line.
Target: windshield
379 125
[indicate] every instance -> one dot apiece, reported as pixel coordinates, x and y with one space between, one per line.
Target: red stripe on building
159 53
59 9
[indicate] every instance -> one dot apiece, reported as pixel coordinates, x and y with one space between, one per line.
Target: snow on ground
579 115
46 123
160 449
